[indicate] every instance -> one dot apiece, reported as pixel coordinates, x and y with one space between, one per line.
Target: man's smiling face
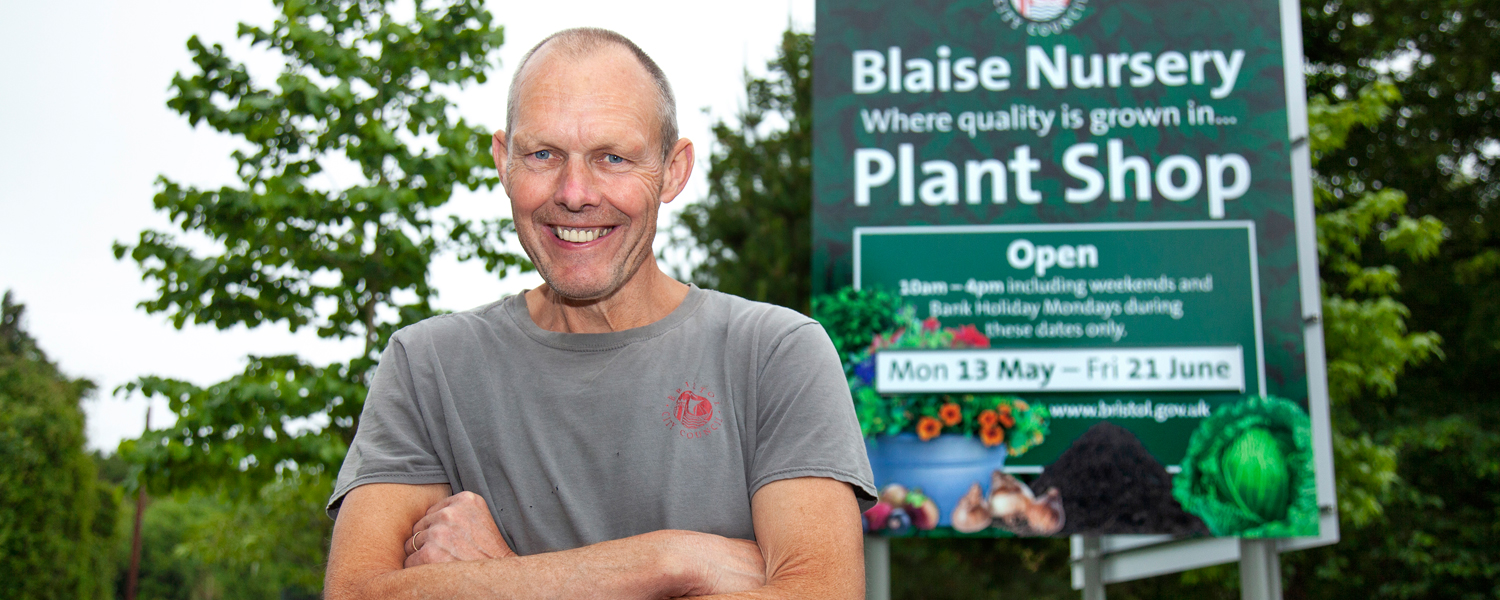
584 169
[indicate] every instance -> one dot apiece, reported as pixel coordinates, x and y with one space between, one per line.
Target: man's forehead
604 68
607 82
593 119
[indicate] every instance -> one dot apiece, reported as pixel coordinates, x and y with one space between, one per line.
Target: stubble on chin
618 275
615 275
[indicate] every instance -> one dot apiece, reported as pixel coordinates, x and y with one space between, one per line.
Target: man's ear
500 152
679 169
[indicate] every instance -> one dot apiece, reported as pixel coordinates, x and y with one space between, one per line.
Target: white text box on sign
1167 369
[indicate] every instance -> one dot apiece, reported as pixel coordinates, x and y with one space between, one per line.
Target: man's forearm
626 568
623 569
810 533
839 580
366 557
798 590
648 566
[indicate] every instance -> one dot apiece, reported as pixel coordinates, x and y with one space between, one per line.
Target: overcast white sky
86 132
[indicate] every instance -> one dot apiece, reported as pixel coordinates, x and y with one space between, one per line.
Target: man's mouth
580 235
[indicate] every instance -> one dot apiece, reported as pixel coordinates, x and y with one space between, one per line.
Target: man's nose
579 186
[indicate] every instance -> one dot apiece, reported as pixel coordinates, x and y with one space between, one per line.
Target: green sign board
1056 241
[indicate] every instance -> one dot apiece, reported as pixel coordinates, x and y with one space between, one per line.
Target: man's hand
459 527
710 564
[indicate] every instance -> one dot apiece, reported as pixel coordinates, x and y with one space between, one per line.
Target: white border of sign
1128 557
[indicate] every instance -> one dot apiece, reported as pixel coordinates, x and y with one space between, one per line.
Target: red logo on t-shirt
692 412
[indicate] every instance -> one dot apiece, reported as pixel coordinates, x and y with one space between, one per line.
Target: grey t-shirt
574 439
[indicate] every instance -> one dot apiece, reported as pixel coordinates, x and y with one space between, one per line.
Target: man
612 433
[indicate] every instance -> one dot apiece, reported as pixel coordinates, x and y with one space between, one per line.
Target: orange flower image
1022 405
992 436
988 419
1005 418
951 414
928 428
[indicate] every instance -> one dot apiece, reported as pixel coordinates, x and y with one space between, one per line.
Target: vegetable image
1256 475
1249 471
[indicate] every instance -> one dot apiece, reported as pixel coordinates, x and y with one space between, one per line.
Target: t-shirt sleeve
392 444
806 425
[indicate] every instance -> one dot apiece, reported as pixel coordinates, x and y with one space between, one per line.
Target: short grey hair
581 42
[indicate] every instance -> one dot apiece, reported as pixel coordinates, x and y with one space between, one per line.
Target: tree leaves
346 156
56 518
1368 341
244 431
755 226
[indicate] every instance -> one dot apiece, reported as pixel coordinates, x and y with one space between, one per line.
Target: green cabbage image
1249 471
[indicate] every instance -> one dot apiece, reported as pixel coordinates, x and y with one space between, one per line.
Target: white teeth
579 236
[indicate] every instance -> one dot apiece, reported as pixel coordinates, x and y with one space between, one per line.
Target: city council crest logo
692 412
1041 17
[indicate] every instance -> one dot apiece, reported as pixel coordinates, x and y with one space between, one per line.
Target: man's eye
542 154
613 159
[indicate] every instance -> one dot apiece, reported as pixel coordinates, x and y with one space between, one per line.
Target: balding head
584 42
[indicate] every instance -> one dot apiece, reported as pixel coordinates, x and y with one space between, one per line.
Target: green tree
1440 145
754 228
346 160
1369 345
198 545
164 572
361 94
57 519
277 541
1441 142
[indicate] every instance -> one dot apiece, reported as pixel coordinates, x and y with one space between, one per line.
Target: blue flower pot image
943 467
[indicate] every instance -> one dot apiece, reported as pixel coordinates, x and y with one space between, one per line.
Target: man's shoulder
453 327
749 323
745 314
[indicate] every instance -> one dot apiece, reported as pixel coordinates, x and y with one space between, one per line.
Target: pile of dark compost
1110 484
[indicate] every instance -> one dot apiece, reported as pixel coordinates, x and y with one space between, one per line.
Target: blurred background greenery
1403 117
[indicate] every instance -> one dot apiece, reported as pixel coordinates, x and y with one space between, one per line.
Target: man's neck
649 296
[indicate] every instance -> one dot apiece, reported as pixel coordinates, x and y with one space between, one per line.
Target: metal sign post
1093 571
877 567
1260 570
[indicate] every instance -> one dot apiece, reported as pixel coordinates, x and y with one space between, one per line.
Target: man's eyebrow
525 139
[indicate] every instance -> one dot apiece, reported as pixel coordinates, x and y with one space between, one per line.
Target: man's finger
722 565
464 497
441 504
428 556
427 522
457 528
410 545
430 550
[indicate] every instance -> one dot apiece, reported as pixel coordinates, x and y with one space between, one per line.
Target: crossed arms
808 534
